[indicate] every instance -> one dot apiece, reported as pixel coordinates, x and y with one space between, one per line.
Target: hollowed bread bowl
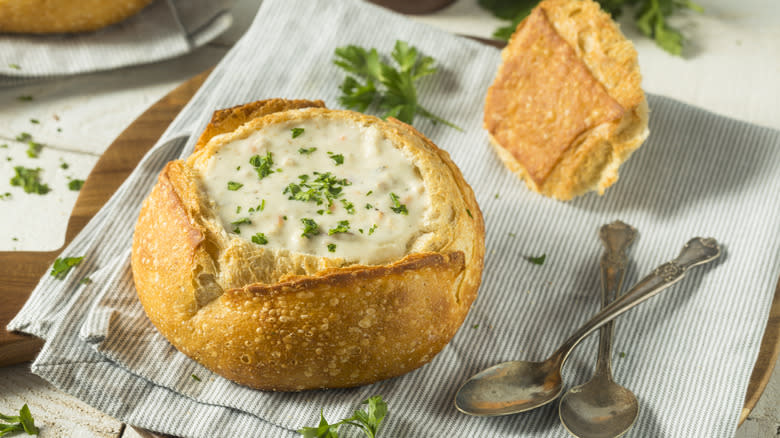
273 317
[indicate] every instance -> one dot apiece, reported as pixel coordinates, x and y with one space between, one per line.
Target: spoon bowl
598 409
519 386
510 387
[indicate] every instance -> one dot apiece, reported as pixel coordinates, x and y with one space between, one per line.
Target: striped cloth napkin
687 354
163 30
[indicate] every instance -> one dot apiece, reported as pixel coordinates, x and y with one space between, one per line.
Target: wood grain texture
21 270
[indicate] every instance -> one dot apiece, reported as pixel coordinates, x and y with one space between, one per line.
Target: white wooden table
732 67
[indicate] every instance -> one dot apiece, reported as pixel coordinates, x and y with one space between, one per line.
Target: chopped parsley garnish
310 228
539 260
622 354
3 146
348 206
337 158
15 66
397 206
512 235
496 195
297 132
371 230
238 223
259 208
75 184
369 192
262 165
238 209
5 195
63 265
320 212
332 247
307 151
368 421
33 149
324 186
35 121
195 378
24 98
259 239
233 186
23 422
85 280
469 213
24 137
369 206
64 165
343 227
475 326
29 180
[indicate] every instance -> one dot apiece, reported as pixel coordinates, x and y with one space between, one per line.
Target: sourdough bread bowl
300 247
64 16
566 108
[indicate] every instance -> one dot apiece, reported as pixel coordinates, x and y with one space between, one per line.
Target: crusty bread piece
64 16
277 320
566 107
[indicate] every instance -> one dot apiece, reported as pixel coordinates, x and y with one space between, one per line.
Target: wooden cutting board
20 271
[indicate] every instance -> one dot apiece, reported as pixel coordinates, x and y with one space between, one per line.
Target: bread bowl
566 107
288 311
64 16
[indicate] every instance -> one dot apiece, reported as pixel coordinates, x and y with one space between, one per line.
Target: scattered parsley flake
35 121
63 265
259 239
496 195
372 229
332 247
348 206
369 192
75 184
369 206
261 207
512 235
539 260
469 213
337 158
622 354
238 223
233 186
397 206
310 228
262 165
195 378
85 280
475 326
59 129
5 195
64 165
33 149
24 137
306 151
15 66
343 227
238 209
24 98
297 132
29 180
3 146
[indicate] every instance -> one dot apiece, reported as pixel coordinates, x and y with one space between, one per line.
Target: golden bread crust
566 107
276 320
64 16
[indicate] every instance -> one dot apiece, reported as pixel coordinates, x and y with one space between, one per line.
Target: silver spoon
518 386
601 407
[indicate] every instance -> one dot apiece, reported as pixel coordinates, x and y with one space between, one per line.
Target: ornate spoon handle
616 238
696 252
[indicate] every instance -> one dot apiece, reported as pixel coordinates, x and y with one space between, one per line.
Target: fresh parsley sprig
63 265
650 16
23 422
368 421
392 90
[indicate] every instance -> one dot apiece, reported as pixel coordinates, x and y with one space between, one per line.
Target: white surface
732 66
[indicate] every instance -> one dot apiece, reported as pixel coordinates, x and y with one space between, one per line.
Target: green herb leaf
343 227
310 228
350 207
323 430
238 223
259 239
24 98
29 179
18 423
337 158
469 213
35 121
33 149
397 206
262 165
64 165
372 229
539 260
75 184
85 280
233 186
24 137
306 151
4 196
195 378
63 265
28 423
398 98
297 132
15 66
332 247
368 421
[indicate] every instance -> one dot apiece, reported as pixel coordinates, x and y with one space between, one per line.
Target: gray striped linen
163 30
688 353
